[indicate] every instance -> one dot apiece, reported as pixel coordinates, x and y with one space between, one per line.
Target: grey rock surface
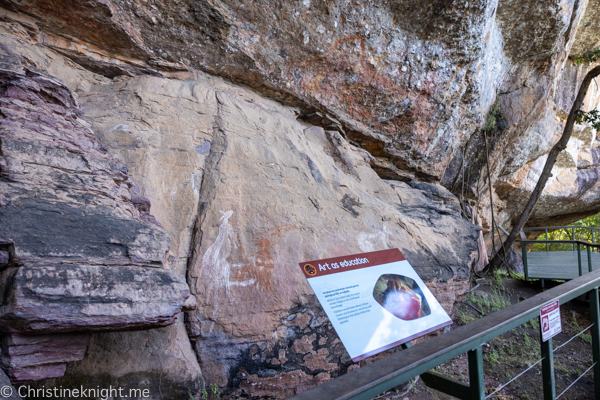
9 392
65 298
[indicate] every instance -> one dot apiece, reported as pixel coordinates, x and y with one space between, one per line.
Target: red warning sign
550 320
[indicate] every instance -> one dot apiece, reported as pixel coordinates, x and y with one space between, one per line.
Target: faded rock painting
258 266
214 261
254 268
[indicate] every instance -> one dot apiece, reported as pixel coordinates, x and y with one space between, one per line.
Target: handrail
537 228
572 228
583 242
384 374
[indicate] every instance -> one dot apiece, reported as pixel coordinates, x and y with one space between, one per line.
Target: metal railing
591 237
398 368
576 246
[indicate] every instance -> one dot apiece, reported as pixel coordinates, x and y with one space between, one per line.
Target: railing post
579 259
476 374
547 244
595 317
589 254
524 253
548 370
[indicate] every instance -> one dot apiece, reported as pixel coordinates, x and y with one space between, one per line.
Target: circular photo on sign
310 270
401 296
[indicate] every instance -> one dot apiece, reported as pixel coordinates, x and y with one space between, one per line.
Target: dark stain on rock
349 203
313 168
311 165
46 230
271 359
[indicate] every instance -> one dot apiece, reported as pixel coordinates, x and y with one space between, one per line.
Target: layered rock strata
31 358
82 252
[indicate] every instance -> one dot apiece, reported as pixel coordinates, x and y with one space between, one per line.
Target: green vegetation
525 396
534 324
518 348
589 57
464 317
584 337
492 358
488 303
591 117
205 394
493 117
578 233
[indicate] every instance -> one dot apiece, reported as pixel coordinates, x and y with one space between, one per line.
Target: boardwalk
559 264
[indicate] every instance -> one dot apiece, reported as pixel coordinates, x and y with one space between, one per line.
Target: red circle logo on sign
310 270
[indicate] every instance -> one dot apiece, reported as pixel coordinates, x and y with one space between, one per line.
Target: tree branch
558 147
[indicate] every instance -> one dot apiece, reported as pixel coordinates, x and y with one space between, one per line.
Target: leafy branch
591 117
588 57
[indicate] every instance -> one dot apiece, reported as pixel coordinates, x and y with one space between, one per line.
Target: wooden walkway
559 264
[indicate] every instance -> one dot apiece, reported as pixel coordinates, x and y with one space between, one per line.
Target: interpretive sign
550 320
375 301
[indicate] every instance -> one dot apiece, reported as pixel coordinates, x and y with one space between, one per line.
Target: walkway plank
559 264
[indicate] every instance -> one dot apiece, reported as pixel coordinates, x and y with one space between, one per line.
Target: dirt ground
508 355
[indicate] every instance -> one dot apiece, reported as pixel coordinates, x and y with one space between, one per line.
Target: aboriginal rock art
258 266
214 261
368 242
255 269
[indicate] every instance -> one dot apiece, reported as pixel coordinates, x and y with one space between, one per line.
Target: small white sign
550 320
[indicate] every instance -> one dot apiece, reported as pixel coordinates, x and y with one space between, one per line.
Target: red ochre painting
401 296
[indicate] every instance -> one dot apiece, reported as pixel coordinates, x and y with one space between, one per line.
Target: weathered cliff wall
256 135
84 255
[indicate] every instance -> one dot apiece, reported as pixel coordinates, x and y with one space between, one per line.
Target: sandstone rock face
64 298
572 191
408 80
160 360
31 358
80 250
587 38
376 136
50 164
162 130
276 191
411 82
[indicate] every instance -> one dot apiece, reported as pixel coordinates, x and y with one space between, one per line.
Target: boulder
74 298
